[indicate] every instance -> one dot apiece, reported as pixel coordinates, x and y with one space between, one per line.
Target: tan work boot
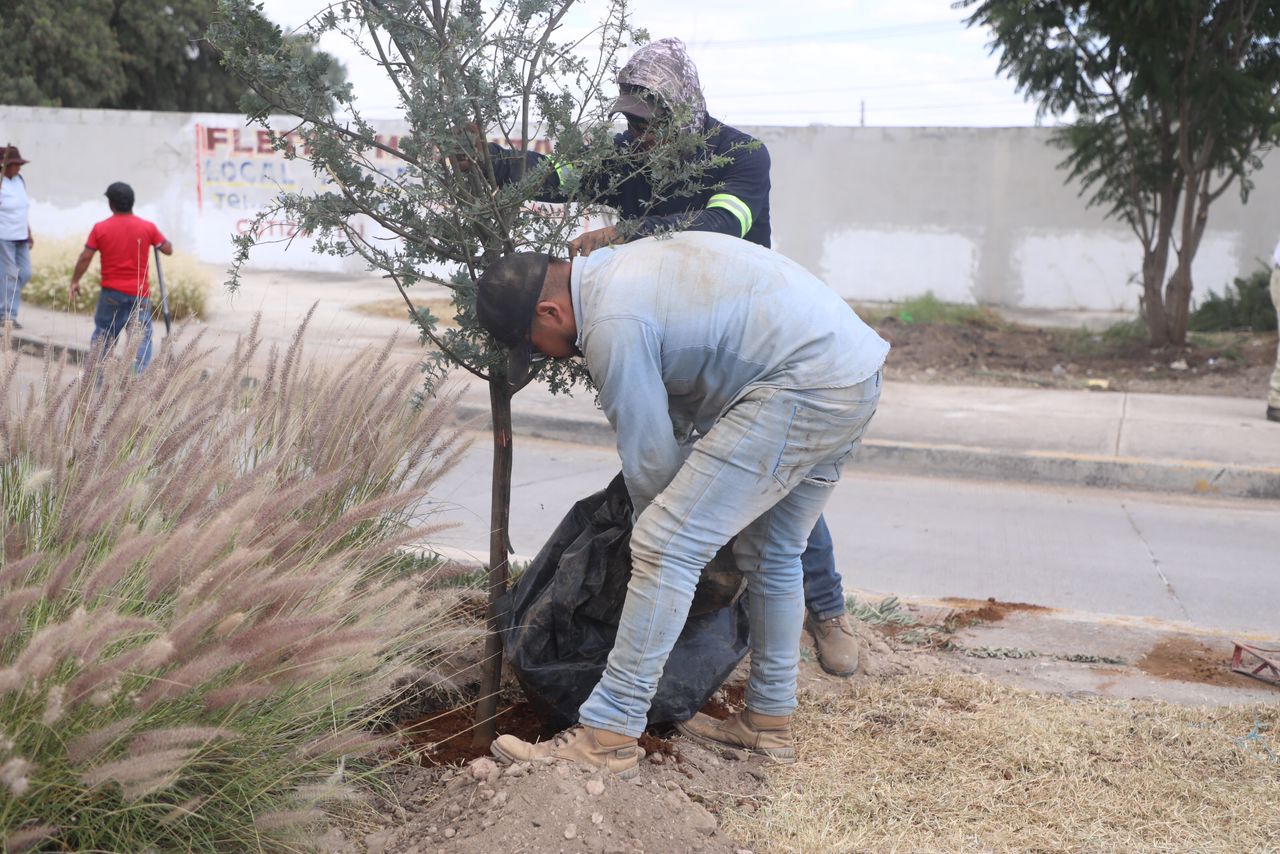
616 754
836 643
763 735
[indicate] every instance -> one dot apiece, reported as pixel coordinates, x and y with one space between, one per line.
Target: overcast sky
774 62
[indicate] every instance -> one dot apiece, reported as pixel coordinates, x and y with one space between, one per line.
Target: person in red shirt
125 242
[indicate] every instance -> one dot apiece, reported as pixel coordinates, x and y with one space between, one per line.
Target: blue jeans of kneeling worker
114 313
823 591
764 471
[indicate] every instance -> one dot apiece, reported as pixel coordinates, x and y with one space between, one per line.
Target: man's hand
31 240
585 243
82 267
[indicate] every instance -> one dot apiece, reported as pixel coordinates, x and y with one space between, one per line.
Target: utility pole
862 113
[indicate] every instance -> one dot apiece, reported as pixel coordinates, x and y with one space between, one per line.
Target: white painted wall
977 215
971 214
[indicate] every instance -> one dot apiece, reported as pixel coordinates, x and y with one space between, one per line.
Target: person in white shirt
1273 399
15 235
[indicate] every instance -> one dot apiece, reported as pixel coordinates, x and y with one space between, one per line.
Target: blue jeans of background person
823 592
764 471
15 272
116 311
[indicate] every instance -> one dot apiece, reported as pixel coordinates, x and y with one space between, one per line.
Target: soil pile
483 807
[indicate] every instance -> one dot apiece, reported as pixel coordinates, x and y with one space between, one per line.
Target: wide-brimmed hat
11 154
506 296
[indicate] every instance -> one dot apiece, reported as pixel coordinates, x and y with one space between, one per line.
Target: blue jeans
15 272
823 591
764 471
115 311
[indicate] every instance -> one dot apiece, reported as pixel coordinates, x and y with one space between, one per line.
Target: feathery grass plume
144 773
238 694
141 659
13 774
220 625
53 705
11 604
129 550
185 809
90 744
287 819
158 739
24 838
15 572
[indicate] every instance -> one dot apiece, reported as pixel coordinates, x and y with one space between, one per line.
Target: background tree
1175 103
504 65
121 54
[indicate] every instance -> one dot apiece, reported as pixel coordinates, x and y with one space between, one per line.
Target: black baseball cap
506 296
120 194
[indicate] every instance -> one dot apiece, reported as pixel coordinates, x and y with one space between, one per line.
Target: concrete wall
974 215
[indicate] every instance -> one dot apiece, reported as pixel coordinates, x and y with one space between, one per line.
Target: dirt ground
1234 364
455 799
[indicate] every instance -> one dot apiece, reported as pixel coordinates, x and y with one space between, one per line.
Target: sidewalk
1165 443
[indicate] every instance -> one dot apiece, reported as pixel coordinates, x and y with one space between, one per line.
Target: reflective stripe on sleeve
735 206
563 170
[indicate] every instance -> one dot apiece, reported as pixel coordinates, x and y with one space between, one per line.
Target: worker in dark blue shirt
660 84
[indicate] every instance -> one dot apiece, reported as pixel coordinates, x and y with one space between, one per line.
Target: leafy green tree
121 54
1175 102
503 65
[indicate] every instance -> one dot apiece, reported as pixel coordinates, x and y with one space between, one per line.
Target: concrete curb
1187 477
39 347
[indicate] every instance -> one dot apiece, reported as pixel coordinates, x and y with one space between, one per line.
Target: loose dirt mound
988 610
1189 659
483 807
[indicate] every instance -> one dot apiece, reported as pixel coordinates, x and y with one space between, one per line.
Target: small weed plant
1245 304
52 262
928 309
201 601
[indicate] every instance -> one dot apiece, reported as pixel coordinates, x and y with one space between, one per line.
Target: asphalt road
1210 562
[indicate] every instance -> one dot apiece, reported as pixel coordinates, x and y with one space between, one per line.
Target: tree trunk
1177 299
1153 268
1155 261
499 523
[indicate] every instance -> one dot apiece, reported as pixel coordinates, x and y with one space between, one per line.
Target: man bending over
778 376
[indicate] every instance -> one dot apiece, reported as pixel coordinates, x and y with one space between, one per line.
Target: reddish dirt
726 701
1188 659
989 611
1234 364
452 732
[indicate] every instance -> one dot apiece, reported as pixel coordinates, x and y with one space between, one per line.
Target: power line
864 34
878 88
853 108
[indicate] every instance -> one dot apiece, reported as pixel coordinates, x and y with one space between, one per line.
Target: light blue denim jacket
676 330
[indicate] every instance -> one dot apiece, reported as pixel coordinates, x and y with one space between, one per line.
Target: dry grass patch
952 763
441 308
186 280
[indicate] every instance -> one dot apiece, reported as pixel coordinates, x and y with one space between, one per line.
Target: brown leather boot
763 735
615 754
836 643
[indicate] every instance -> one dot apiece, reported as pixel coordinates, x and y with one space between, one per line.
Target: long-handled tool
164 296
